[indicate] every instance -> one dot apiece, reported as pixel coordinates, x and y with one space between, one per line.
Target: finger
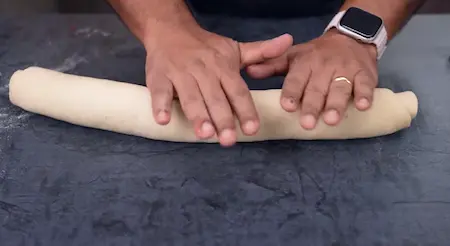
259 51
338 97
240 99
294 85
276 66
161 91
217 104
363 89
314 96
193 106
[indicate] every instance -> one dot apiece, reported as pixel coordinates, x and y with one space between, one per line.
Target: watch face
361 22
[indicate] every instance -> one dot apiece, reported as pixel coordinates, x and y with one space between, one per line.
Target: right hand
203 70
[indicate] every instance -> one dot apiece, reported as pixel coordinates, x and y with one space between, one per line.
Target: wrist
156 31
335 34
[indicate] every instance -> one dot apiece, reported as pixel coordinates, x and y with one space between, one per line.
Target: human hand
203 70
312 69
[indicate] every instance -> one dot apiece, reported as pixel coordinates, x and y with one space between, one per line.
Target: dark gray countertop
67 185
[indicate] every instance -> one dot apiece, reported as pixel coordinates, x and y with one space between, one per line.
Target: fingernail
331 116
207 129
308 121
363 103
289 103
227 137
163 115
250 127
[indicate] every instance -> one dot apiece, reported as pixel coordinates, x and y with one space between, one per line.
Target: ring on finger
342 78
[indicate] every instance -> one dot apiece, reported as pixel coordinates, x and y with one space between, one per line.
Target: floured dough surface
126 108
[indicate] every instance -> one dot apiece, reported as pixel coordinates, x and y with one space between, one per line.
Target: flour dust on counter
88 32
10 116
70 63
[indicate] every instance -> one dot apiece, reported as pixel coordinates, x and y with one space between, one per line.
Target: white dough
126 108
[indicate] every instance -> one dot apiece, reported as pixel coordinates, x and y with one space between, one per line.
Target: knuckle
362 74
158 83
332 61
217 57
337 103
198 63
290 92
299 77
160 91
340 87
216 100
353 65
366 92
363 91
189 100
346 92
209 57
222 63
311 106
217 103
365 82
225 121
317 89
239 93
318 62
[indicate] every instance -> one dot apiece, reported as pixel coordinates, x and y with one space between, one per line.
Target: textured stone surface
67 185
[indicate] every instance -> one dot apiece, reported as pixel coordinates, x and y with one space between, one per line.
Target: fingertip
289 104
227 137
288 38
162 117
206 130
331 117
250 127
308 122
362 104
277 46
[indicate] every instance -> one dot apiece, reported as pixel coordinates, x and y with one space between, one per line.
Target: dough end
410 101
12 86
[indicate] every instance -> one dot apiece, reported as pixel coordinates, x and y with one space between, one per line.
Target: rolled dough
126 108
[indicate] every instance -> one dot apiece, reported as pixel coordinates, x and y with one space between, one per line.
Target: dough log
126 108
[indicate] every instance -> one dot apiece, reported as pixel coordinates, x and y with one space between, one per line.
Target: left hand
311 70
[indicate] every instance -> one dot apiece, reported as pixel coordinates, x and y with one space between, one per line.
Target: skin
202 68
311 67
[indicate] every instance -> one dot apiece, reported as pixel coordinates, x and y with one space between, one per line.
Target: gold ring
343 79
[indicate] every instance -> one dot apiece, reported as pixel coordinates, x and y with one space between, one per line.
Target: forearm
146 17
395 13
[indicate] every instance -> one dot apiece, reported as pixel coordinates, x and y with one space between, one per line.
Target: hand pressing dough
126 108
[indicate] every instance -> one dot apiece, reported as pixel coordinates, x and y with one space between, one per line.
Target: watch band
380 40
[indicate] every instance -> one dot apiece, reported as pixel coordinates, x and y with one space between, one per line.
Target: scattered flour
3 89
9 121
2 174
89 32
70 63
9 117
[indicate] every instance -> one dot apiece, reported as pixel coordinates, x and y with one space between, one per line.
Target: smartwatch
361 25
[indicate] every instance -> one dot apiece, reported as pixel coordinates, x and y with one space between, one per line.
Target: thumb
274 67
260 51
